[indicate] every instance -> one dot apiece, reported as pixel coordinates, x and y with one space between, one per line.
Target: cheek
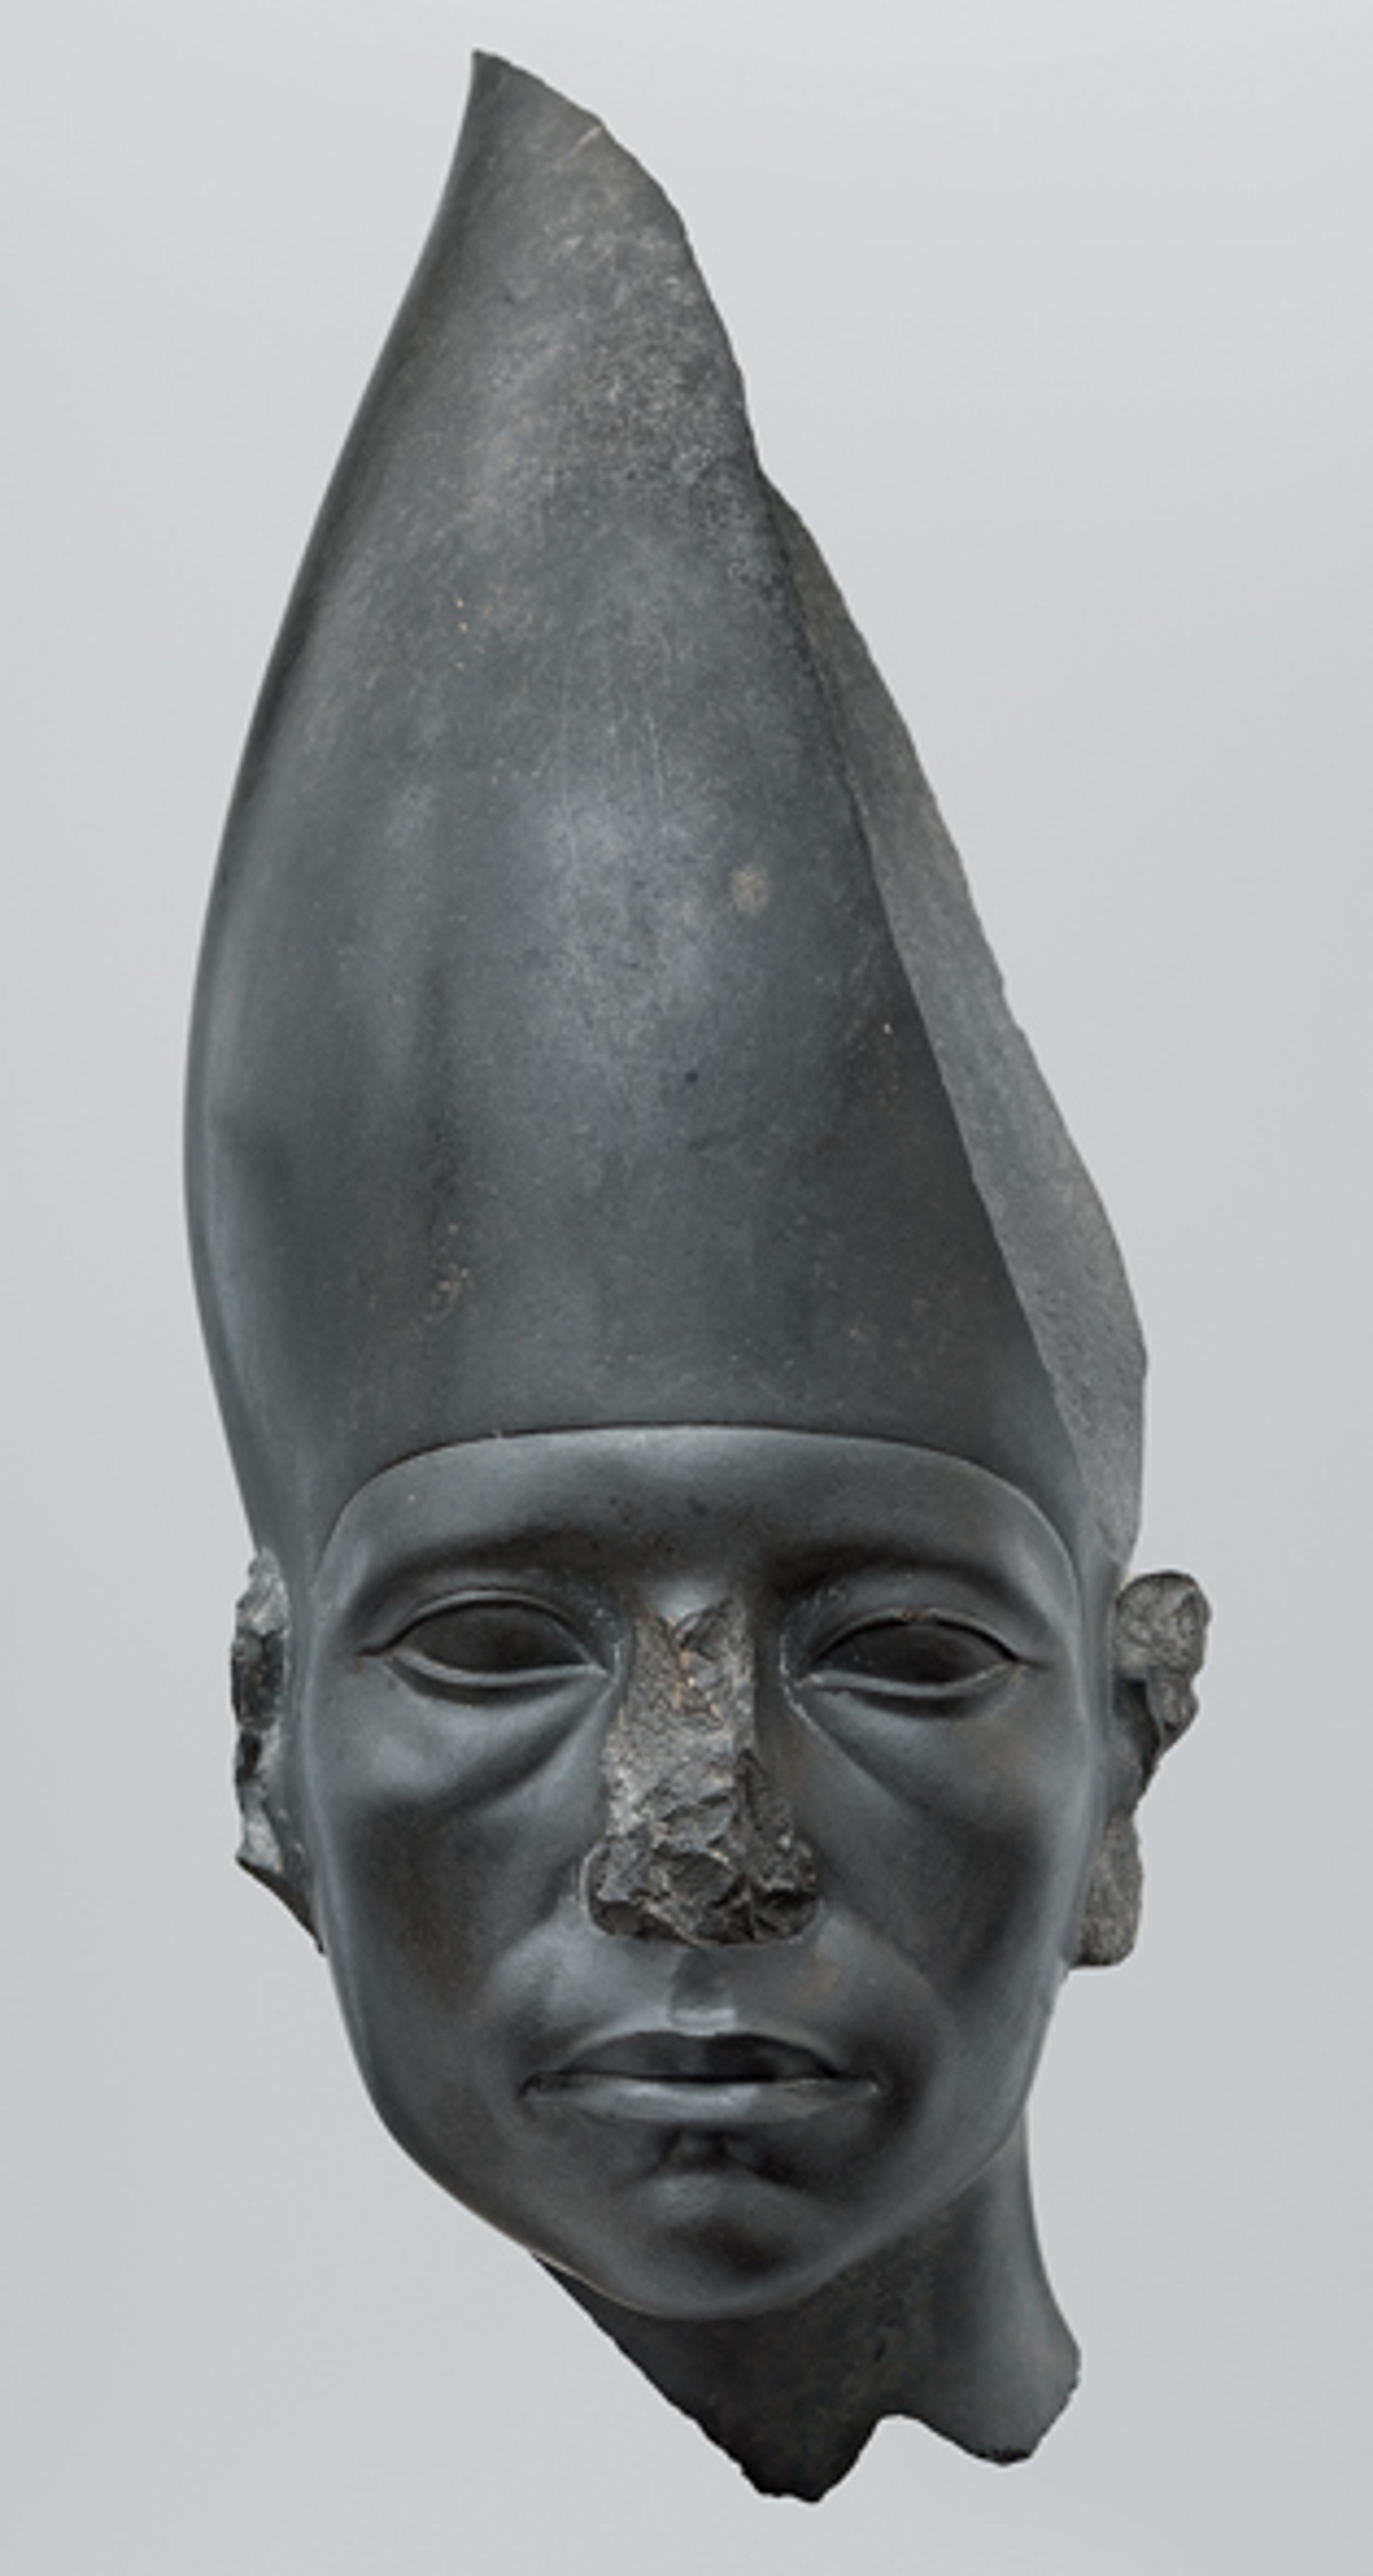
1023 1819
438 1835
965 1841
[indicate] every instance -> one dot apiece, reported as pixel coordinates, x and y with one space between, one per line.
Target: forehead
750 1506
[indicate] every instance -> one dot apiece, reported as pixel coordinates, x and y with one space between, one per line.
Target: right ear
270 1849
1158 1641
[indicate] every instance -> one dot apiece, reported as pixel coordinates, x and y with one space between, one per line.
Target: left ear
270 1848
1158 1640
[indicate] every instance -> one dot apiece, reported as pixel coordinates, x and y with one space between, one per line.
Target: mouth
728 2080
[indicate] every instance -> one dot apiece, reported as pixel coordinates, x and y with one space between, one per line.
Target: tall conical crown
593 1025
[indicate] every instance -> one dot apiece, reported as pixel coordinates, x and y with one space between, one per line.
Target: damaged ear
260 1679
1158 1641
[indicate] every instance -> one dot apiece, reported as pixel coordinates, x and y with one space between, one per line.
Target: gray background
1055 318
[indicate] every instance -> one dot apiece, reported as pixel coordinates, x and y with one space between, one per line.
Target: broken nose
700 1846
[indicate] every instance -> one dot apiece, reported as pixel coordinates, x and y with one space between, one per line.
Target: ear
1158 1640
269 1848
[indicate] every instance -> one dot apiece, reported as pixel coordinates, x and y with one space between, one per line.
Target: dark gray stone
699 1845
682 1382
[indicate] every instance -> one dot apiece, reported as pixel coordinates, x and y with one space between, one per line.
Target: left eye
911 1655
487 1645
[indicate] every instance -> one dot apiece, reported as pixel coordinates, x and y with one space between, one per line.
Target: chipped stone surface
257 1657
1159 1646
699 1845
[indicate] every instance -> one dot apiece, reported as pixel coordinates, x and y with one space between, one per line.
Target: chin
718 2230
723 2248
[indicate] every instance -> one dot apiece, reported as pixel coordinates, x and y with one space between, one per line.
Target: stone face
682 1382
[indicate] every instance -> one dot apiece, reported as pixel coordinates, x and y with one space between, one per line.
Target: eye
912 1656
490 1644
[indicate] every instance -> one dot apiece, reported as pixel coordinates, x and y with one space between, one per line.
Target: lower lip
659 2102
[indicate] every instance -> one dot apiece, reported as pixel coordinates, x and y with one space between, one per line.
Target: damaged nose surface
700 1846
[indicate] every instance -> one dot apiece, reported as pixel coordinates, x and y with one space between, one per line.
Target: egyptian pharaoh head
683 1386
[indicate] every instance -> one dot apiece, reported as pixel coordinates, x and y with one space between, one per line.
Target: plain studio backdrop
1054 315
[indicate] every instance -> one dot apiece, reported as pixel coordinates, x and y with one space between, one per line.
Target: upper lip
684 2057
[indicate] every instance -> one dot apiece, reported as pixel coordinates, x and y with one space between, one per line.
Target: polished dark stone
683 1385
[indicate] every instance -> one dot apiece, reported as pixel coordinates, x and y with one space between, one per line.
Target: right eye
914 1658
490 1644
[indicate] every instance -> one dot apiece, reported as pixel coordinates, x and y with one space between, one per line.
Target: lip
676 2079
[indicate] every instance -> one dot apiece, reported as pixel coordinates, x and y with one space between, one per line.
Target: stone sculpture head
683 1386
